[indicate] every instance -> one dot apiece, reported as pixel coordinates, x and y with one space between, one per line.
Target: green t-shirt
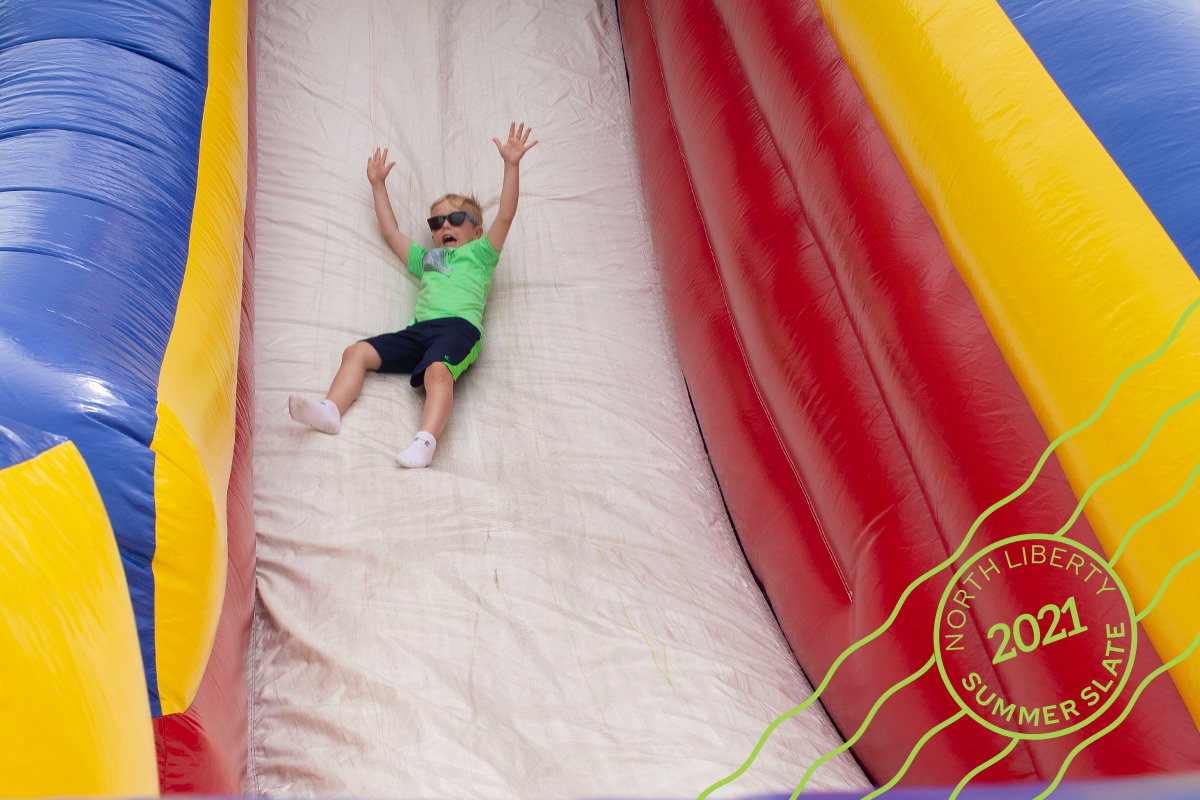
455 281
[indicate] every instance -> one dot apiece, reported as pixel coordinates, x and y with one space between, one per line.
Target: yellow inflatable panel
193 441
1075 276
74 713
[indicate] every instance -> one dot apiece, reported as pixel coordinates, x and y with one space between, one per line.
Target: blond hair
462 202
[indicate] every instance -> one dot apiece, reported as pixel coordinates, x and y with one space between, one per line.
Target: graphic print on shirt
436 260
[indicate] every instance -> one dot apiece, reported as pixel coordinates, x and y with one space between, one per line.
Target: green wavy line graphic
1124 714
1111 726
861 728
970 776
1182 404
1164 508
929 734
953 556
1166 582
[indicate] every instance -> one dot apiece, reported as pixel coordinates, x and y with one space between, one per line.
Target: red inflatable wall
203 750
858 412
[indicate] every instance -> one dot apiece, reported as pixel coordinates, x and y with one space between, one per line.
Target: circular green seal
1059 636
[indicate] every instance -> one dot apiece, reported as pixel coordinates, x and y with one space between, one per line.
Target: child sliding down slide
444 336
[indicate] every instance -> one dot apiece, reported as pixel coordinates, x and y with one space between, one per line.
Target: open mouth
449 240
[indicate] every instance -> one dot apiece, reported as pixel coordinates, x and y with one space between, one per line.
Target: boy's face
453 235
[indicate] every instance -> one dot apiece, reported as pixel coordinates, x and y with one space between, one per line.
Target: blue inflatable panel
1185 787
100 111
1131 68
173 33
20 443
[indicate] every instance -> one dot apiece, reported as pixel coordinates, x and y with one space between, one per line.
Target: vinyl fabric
557 607
858 408
75 718
1050 144
203 750
123 153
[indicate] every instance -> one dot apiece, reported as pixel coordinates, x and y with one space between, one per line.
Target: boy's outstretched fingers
523 135
518 143
377 166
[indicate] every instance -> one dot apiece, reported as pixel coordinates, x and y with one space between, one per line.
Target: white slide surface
558 606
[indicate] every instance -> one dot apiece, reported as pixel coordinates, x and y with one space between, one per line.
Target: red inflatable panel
738 434
858 413
203 750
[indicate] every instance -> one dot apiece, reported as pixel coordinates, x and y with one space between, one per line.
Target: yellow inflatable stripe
74 713
193 441
1074 275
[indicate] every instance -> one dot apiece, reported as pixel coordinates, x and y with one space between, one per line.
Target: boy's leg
439 400
347 385
453 346
326 416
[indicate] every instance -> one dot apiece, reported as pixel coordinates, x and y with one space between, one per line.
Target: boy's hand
512 150
518 144
378 168
377 172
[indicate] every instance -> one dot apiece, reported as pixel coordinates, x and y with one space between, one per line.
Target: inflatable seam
738 338
853 322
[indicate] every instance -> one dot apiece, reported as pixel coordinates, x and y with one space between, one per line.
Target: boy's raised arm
377 172
511 151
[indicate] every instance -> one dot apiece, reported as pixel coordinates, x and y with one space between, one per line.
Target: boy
444 337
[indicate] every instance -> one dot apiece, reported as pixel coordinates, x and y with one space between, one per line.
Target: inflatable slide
558 607
833 426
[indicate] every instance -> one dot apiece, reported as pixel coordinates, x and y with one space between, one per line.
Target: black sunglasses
456 218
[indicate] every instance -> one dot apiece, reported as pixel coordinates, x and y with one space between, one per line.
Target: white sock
419 453
323 416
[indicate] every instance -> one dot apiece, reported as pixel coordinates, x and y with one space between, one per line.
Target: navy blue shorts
451 340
